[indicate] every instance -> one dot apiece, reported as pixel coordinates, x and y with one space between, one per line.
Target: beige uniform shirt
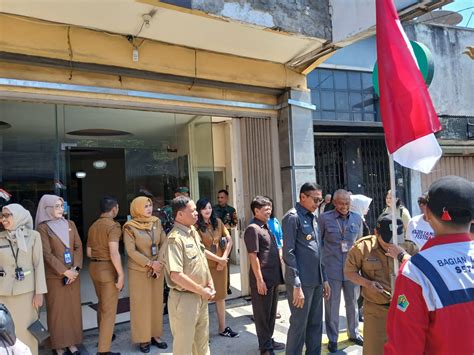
368 258
101 232
185 254
139 242
31 262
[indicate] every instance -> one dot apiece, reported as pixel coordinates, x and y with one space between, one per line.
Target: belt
99 261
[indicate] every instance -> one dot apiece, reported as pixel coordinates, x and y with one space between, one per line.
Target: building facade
150 95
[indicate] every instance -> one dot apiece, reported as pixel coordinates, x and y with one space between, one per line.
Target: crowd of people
322 248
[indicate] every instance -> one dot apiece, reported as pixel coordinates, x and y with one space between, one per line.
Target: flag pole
394 214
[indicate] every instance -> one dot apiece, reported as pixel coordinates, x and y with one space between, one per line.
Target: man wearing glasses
339 229
419 230
306 281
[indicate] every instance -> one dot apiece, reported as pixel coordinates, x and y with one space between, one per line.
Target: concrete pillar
295 131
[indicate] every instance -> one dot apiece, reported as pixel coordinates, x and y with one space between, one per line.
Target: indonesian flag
408 116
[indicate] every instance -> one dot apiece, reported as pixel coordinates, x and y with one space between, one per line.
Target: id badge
344 246
67 256
153 250
213 248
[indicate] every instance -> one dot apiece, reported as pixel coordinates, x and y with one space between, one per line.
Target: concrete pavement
239 312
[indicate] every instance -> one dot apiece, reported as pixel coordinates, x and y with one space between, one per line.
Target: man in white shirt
419 230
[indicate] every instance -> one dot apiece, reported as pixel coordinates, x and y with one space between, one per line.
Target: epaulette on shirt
368 237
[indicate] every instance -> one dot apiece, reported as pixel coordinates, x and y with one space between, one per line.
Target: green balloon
424 58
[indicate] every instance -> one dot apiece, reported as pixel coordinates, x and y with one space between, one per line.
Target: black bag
38 331
7 327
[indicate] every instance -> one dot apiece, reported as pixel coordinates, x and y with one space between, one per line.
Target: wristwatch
401 256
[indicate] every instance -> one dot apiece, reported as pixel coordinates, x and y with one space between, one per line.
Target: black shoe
277 346
359 340
332 347
229 333
159 344
108 353
145 348
229 291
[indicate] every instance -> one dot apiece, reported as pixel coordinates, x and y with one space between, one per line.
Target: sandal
229 333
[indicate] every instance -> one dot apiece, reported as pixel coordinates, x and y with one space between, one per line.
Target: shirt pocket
191 254
372 267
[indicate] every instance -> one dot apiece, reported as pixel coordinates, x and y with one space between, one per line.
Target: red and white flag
408 116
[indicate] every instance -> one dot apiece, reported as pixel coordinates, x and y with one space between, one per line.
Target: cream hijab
21 220
45 213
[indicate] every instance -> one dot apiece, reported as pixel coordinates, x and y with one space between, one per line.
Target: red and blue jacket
432 310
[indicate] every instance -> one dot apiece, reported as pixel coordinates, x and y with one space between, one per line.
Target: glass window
340 79
28 152
315 98
354 81
327 100
342 100
356 101
343 116
328 115
312 79
326 80
345 93
316 115
357 116
368 102
367 84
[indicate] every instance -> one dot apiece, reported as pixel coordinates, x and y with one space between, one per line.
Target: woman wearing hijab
218 243
62 251
360 205
22 275
144 240
399 208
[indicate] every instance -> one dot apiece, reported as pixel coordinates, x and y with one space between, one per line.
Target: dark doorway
104 170
356 164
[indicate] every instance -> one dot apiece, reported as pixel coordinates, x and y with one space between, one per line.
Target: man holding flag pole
435 289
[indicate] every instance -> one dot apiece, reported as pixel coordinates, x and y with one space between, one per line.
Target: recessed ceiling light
80 174
99 164
98 132
5 125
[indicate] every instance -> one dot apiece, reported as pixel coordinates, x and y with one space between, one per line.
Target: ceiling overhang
170 25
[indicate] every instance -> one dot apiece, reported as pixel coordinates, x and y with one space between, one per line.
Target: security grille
332 174
330 167
376 175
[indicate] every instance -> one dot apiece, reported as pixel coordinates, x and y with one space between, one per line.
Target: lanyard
343 231
13 252
151 234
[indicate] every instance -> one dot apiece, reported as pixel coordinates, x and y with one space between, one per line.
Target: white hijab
21 221
360 204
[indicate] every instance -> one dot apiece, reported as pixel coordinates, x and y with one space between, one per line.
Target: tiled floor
88 296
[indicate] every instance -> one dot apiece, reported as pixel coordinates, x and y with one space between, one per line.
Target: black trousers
264 312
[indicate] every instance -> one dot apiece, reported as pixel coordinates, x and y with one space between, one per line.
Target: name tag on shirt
344 246
67 256
153 250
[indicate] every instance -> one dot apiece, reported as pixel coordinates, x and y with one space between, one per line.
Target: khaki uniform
103 275
63 303
146 292
18 295
188 312
211 238
368 258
